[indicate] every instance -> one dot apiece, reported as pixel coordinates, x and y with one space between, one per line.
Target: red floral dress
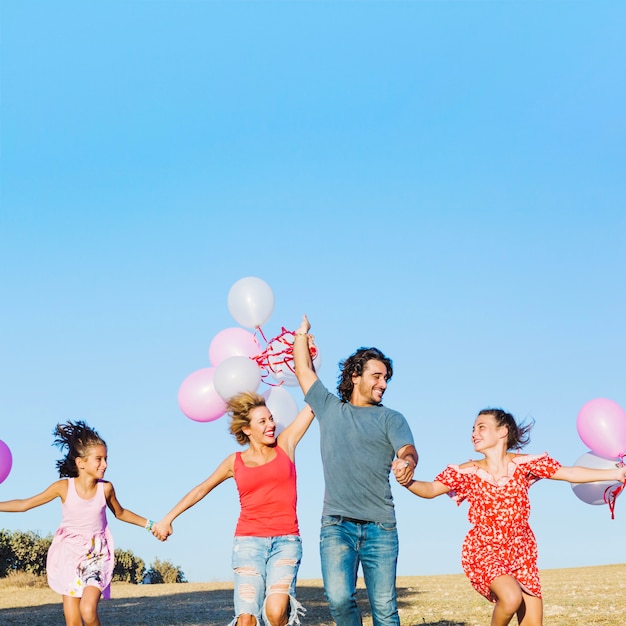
500 541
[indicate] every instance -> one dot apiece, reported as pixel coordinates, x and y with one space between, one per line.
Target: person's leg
281 606
508 600
531 611
276 610
340 564
379 557
71 611
248 562
89 605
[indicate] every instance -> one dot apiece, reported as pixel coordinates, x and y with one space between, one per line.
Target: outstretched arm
290 437
225 470
305 372
578 474
122 514
57 489
425 489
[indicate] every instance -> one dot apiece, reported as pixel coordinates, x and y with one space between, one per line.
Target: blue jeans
263 566
343 545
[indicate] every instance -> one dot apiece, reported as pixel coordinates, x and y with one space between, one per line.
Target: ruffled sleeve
457 480
537 466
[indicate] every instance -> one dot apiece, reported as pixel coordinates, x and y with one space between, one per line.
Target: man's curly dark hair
354 365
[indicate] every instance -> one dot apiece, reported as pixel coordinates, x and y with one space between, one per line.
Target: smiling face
369 386
261 428
487 434
94 464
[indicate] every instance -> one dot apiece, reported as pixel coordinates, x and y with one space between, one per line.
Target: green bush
128 567
165 572
6 553
28 552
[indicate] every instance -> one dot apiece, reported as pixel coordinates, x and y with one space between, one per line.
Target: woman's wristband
149 525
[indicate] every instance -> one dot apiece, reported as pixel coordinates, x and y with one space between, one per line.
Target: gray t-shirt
358 445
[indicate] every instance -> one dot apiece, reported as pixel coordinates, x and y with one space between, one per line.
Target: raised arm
225 470
305 372
57 489
578 474
290 437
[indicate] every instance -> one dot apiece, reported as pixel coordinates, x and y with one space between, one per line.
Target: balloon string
611 493
610 496
278 352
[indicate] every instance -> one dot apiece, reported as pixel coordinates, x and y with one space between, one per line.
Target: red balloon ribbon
611 493
279 352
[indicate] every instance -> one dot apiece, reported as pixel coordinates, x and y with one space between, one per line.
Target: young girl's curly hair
77 438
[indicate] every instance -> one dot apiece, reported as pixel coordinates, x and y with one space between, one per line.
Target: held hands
403 470
161 530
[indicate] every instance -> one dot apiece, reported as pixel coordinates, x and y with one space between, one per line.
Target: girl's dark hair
518 434
354 365
77 438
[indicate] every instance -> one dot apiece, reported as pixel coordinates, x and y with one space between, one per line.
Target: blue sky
443 180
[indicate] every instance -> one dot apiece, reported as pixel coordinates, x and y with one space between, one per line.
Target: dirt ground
591 596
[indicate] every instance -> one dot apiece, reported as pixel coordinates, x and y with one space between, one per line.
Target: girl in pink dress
499 553
81 557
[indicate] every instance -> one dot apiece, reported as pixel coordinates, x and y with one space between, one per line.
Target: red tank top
267 494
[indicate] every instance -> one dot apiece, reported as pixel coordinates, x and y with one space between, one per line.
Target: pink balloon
601 424
233 342
197 397
6 461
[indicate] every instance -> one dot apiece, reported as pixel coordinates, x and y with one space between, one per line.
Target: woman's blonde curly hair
239 408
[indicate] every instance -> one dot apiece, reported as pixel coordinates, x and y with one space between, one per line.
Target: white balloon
251 301
282 406
236 374
593 493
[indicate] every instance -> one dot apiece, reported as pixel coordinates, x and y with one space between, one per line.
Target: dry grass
592 596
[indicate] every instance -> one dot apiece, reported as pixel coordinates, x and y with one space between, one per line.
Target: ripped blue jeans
263 566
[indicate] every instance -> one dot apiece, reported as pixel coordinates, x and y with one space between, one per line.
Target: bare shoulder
229 461
468 464
59 488
227 466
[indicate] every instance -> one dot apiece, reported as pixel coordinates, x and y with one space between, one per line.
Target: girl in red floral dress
499 553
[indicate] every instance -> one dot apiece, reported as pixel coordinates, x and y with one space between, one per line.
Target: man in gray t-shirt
361 442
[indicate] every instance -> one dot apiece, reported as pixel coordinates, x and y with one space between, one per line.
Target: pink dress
82 552
500 541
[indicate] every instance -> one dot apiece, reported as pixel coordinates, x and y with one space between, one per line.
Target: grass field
590 596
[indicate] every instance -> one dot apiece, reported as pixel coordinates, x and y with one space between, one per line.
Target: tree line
26 551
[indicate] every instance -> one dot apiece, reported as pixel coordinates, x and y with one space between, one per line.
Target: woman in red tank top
267 548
